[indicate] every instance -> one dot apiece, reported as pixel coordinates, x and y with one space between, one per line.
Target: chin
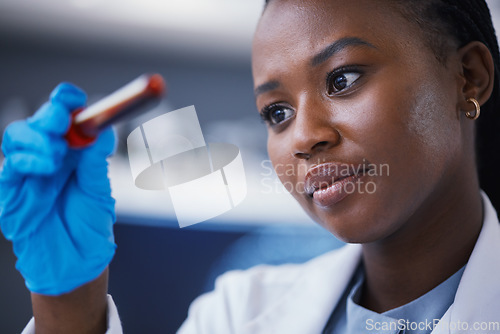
352 234
353 226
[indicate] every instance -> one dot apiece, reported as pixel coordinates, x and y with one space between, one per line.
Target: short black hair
464 21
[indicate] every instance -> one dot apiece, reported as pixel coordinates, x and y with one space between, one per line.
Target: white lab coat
299 298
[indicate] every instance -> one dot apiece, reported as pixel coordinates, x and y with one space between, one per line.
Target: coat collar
309 303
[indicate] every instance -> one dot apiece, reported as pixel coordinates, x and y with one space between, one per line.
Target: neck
434 244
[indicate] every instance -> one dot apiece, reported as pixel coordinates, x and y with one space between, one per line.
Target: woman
373 104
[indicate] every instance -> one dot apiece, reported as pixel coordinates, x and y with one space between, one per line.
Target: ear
478 73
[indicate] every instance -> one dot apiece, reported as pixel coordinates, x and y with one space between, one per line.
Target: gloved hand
55 202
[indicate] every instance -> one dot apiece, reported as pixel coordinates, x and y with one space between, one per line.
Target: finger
104 146
52 118
19 136
92 171
69 95
26 163
23 208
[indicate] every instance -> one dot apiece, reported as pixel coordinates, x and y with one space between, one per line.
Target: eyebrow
336 47
266 87
318 59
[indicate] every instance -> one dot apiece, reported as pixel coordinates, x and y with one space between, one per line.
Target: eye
337 82
276 114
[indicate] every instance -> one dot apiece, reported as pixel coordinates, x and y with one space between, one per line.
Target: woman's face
363 120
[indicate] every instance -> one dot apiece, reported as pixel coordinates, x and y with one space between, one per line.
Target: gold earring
478 109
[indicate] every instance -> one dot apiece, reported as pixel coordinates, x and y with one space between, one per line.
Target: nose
313 131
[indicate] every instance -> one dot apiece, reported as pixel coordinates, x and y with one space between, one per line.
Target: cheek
434 124
406 126
430 132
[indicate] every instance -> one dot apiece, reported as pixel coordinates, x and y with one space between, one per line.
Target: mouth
326 183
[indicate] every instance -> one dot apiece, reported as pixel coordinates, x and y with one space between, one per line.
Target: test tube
88 122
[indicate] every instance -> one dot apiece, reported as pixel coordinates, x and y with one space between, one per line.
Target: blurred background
202 48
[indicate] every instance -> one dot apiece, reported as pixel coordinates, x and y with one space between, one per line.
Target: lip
326 183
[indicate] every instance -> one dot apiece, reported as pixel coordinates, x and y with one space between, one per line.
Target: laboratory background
202 49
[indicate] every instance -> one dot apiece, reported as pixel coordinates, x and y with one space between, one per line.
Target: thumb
69 95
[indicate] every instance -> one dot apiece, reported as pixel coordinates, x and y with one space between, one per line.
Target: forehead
310 15
292 30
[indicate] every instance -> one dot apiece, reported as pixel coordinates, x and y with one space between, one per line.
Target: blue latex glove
55 202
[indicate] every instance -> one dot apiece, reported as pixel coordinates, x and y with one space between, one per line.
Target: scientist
344 87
